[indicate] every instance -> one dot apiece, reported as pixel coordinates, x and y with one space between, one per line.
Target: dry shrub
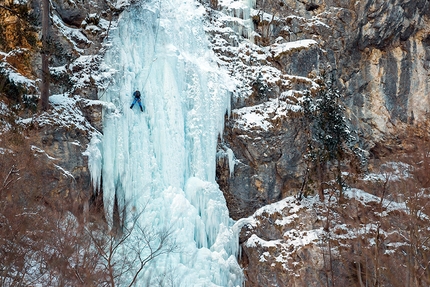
45 241
396 252
40 241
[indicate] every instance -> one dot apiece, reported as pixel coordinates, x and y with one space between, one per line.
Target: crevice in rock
312 7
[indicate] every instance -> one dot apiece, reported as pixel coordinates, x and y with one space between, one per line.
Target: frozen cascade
159 166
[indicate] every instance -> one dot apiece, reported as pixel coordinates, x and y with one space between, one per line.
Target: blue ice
160 165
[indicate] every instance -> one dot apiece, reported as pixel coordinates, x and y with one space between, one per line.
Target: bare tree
46 241
126 253
53 247
391 242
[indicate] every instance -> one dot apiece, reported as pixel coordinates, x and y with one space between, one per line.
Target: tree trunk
320 180
44 90
339 180
360 280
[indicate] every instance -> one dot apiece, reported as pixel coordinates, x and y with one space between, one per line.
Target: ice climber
136 96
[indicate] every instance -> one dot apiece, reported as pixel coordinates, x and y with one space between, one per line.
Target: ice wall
160 164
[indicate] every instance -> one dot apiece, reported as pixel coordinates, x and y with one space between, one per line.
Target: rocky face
59 137
314 243
378 51
280 246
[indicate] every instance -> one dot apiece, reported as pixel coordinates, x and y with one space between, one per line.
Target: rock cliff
378 51
58 137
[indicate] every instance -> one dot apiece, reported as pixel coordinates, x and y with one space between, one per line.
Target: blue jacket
136 94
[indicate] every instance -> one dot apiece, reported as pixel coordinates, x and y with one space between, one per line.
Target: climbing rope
104 92
155 43
121 108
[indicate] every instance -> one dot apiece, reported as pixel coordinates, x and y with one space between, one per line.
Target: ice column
159 165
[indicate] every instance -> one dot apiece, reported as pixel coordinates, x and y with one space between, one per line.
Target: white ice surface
160 164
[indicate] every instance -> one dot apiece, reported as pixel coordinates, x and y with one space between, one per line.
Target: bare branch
8 180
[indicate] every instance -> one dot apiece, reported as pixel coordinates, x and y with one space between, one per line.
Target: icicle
95 160
231 161
241 12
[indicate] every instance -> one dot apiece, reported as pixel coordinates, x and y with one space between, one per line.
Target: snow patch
279 49
255 241
73 35
39 150
261 117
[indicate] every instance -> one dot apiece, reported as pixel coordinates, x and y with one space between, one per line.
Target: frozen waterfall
159 166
